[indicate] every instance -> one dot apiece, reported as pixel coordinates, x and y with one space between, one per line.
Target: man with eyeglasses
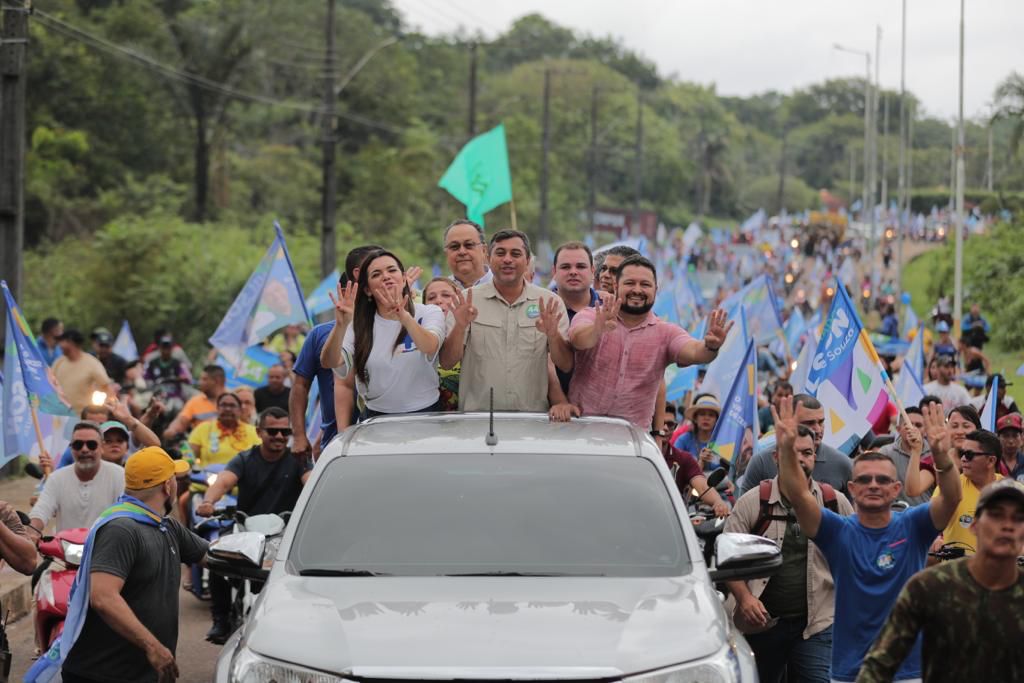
504 331
978 455
874 552
967 613
269 479
607 265
466 249
77 495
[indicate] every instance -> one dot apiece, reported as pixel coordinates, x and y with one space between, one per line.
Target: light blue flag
910 321
27 377
251 371
723 368
270 300
764 318
795 327
739 410
665 304
915 354
124 345
319 300
988 413
835 349
803 362
678 380
908 386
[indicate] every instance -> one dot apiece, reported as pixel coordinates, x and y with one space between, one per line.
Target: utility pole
873 185
543 235
592 165
471 129
901 191
782 171
885 154
328 247
989 178
958 266
13 40
952 168
853 177
911 112
638 151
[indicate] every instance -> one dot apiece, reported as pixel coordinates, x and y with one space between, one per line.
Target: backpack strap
828 497
764 515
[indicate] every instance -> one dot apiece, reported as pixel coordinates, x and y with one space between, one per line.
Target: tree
1009 97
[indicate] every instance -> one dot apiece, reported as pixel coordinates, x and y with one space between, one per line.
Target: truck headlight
249 667
721 667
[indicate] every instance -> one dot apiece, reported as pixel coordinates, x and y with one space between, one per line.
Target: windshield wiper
500 573
326 571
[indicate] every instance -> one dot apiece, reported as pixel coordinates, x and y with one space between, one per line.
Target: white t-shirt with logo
402 379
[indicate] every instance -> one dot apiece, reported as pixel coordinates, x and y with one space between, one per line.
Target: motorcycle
244 557
52 581
707 526
208 528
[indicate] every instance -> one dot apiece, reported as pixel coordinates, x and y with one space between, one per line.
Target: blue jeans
782 649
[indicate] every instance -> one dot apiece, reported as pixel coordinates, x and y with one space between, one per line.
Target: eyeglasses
88 445
277 431
671 425
467 245
880 479
971 455
610 270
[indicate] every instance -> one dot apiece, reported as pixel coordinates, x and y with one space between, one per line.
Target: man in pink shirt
622 349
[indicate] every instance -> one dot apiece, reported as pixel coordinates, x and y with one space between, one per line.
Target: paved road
196 657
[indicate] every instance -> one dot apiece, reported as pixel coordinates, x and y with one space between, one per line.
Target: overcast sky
749 46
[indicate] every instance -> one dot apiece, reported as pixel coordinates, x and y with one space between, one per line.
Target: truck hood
486 627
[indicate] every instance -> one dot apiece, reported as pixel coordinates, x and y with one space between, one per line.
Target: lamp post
958 272
865 199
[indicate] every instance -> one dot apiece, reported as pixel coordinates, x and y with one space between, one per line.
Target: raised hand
911 436
412 275
345 303
606 315
464 311
550 316
935 428
785 425
718 329
392 302
119 410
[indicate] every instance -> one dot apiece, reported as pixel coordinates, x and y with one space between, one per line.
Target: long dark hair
366 308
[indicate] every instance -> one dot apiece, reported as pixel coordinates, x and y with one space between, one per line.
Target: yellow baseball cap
150 467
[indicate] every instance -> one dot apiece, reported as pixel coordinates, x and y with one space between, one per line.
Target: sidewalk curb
15 595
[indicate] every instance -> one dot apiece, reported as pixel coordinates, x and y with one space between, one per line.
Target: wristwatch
659 432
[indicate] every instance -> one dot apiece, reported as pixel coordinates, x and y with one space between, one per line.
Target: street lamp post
958 273
865 199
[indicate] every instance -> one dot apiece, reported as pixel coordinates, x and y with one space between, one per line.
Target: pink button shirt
620 376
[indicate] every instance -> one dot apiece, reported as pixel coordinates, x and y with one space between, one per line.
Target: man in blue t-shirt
872 553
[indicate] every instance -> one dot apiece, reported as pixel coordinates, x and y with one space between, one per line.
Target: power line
141 59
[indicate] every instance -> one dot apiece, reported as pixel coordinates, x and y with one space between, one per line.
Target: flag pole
512 209
39 432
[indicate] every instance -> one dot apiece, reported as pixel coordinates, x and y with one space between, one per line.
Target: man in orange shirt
200 408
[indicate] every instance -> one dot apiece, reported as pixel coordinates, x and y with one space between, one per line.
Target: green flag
479 176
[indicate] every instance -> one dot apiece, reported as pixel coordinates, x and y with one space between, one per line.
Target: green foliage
993 273
990 202
763 193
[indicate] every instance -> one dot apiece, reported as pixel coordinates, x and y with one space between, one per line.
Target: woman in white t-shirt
384 345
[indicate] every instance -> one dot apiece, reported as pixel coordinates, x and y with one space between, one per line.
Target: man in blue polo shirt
873 552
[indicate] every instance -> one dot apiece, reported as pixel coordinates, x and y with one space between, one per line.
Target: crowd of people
846 605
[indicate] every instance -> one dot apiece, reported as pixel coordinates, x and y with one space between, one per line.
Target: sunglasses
671 425
880 479
971 455
89 445
277 431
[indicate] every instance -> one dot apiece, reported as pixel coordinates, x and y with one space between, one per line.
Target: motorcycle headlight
249 667
721 667
72 552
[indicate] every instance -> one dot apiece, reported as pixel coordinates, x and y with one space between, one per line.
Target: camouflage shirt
970 632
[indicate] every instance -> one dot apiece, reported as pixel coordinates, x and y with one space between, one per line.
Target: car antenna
492 438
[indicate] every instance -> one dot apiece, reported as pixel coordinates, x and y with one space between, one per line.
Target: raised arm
943 505
344 308
585 336
697 351
918 481
426 341
792 479
455 342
